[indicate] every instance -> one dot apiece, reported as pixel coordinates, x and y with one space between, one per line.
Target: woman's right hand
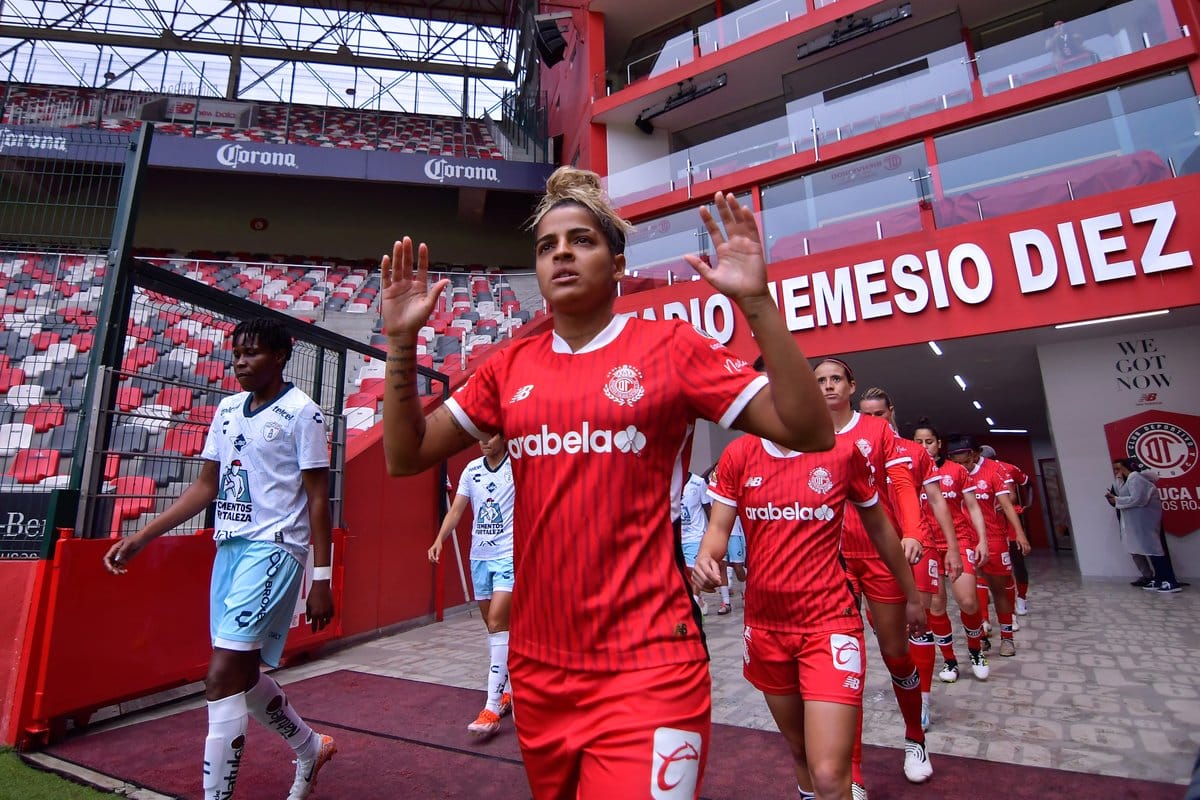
435 552
406 299
122 552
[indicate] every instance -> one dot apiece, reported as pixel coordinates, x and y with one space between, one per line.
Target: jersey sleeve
312 445
476 404
861 488
893 452
724 481
717 383
464 482
905 501
211 451
924 469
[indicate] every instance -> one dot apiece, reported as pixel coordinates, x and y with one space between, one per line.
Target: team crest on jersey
947 480
624 385
820 480
271 431
521 394
239 443
864 447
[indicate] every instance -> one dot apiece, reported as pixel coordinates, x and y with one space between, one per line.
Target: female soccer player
486 484
803 634
939 543
886 595
266 464
598 417
959 491
990 488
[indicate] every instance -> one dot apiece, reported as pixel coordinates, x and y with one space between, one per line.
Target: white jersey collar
854 418
611 331
778 451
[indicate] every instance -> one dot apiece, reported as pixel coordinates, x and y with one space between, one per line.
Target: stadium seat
129 439
25 395
177 398
45 416
185 439
34 466
15 436
11 377
129 398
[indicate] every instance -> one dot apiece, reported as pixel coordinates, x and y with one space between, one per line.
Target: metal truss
252 46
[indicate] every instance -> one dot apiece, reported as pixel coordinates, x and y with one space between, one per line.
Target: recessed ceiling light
1009 430
989 421
961 383
1111 319
937 351
977 404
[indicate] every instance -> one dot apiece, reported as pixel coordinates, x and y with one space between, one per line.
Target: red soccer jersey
924 471
989 484
598 441
875 439
791 508
954 483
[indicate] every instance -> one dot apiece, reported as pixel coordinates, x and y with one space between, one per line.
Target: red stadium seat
11 377
210 370
135 496
129 398
43 340
179 398
186 439
34 466
202 414
45 416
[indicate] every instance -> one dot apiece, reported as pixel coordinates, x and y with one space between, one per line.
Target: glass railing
1125 137
745 22
678 50
862 201
1102 36
655 250
937 81
931 83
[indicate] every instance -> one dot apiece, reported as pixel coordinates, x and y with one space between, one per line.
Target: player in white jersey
486 485
266 464
693 519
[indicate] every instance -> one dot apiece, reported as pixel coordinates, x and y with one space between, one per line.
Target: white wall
1082 395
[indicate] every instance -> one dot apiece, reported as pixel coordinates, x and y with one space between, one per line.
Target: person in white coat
1140 507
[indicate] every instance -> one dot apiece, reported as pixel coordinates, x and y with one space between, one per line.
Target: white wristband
322 573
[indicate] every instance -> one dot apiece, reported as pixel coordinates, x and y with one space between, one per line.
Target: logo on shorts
852 682
1165 448
847 655
624 385
820 480
675 769
933 570
1006 559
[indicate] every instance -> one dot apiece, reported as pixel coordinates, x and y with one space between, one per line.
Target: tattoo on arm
402 372
460 433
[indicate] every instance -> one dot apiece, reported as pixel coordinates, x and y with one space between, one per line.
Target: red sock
923 656
906 683
973 625
943 634
1005 620
856 756
1022 590
984 595
1011 591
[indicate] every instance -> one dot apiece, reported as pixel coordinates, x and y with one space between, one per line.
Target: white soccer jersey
692 519
260 493
492 496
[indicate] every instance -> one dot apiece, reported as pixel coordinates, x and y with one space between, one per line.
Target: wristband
322 573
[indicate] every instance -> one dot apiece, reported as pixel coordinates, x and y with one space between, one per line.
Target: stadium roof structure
246 44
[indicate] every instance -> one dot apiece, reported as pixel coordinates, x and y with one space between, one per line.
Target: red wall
570 87
1018 451
18 580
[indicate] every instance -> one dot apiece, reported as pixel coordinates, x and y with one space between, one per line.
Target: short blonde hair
572 186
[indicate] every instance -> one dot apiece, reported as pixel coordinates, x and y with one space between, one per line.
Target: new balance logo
521 394
755 480
852 682
585 440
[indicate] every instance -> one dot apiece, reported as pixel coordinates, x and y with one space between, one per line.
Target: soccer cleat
1008 648
505 704
307 768
486 725
858 791
724 609
1022 606
917 767
949 673
1169 587
979 665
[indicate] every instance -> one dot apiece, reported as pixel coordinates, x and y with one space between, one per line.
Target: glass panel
934 82
760 143
637 183
655 250
825 210
752 19
1113 140
1102 36
678 50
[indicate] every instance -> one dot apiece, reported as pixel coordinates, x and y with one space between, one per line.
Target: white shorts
252 597
491 575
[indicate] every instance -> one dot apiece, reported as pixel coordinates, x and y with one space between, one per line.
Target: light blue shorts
736 552
491 575
690 551
253 597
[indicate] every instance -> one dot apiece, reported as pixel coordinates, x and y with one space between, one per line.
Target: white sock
268 704
223 746
805 795
498 674
725 595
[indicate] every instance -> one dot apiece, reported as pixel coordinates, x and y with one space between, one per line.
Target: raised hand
740 270
406 299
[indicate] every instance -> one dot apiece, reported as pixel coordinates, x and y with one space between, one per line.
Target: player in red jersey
803 634
990 488
939 542
598 415
1018 481
886 599
959 491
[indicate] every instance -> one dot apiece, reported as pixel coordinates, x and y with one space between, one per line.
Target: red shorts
929 570
872 578
999 562
817 666
967 554
600 735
